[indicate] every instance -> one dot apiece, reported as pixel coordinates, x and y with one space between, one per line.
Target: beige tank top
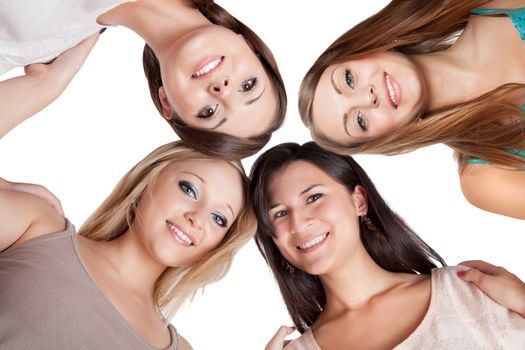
49 301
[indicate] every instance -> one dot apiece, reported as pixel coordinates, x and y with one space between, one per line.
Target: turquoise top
517 16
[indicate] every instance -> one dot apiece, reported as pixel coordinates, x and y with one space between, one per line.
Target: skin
305 203
444 78
183 41
192 195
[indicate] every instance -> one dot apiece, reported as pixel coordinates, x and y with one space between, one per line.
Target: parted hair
116 214
209 142
393 246
478 128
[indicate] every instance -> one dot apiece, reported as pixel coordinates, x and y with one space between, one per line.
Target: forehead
295 177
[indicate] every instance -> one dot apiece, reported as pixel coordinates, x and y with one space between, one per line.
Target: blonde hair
478 128
114 216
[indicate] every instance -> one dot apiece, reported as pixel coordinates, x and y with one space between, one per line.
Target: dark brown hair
212 143
478 128
393 246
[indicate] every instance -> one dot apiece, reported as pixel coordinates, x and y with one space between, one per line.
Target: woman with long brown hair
210 76
354 275
423 72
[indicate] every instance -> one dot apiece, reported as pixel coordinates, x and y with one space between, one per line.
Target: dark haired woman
424 72
354 275
206 70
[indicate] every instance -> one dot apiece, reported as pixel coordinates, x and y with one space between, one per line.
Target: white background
105 122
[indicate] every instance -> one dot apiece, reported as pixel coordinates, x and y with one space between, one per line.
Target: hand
63 68
499 284
37 190
278 342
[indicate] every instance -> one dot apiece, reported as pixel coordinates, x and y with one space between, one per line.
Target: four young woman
340 255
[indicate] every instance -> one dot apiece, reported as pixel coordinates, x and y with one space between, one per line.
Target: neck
131 264
158 22
355 283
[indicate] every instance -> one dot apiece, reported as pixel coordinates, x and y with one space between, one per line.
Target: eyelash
361 122
189 189
349 78
248 85
219 220
311 199
207 112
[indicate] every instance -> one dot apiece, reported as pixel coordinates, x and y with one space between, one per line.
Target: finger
482 266
477 277
55 203
282 332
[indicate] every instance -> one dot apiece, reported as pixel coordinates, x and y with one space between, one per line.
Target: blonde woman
171 226
424 72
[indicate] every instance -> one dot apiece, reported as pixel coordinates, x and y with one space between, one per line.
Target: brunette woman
354 275
424 72
206 70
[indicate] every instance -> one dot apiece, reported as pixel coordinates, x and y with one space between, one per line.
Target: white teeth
313 242
391 92
180 234
207 68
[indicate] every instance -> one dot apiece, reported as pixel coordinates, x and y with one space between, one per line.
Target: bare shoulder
184 344
504 4
495 188
24 216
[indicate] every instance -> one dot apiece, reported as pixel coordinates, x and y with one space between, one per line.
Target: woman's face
213 80
186 212
315 217
359 100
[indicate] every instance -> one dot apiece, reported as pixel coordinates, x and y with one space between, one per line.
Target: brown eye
207 112
248 85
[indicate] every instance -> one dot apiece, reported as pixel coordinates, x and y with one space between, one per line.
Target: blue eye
280 214
349 78
361 122
188 189
248 85
220 219
313 197
207 112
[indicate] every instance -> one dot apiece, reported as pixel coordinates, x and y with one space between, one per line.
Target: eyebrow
204 182
249 102
333 83
219 123
309 188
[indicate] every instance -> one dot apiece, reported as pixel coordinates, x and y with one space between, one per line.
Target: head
309 203
188 210
219 86
381 107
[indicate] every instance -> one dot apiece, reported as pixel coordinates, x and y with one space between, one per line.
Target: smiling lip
392 90
207 66
313 243
182 237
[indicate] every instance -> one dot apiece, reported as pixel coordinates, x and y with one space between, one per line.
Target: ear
360 200
166 108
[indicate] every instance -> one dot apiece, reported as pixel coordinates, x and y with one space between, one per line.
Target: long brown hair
218 144
478 128
393 246
116 214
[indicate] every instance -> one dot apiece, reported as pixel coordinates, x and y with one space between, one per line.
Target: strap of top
517 16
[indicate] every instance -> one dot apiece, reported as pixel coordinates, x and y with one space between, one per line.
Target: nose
372 95
365 97
300 222
220 87
195 219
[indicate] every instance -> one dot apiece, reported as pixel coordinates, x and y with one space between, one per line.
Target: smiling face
315 218
358 100
213 80
188 210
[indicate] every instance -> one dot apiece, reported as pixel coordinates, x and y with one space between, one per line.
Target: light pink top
460 316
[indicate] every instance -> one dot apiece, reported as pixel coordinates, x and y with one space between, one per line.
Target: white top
36 31
460 316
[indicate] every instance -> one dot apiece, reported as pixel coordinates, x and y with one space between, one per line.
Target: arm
500 285
37 190
24 216
21 97
495 189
